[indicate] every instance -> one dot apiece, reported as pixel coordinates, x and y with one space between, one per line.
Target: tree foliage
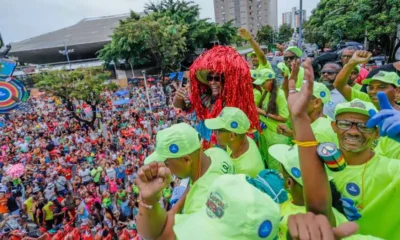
335 20
170 32
84 85
265 35
285 32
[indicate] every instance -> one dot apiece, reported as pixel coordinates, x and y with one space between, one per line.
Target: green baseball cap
282 66
355 106
264 75
176 141
297 51
386 77
288 156
321 91
235 209
253 74
232 119
251 54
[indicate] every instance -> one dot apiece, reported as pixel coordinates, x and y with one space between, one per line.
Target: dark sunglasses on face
329 72
217 78
289 58
347 125
347 56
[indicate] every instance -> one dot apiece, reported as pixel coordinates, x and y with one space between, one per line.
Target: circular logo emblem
296 172
353 189
265 229
5 94
254 75
234 125
398 81
322 94
270 75
173 148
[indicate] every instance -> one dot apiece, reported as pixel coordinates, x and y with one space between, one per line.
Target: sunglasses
328 72
347 56
289 58
217 78
347 125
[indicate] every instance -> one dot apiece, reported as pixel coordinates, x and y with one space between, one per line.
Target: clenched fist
151 180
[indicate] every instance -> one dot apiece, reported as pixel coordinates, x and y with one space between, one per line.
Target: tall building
293 18
249 14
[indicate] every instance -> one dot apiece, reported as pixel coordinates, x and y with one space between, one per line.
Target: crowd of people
233 154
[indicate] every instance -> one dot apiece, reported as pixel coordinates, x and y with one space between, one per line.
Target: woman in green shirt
272 110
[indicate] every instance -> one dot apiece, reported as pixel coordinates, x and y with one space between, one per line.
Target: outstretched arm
257 49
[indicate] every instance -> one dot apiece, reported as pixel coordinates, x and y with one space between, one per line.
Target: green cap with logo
264 75
253 74
386 77
355 106
235 209
232 119
321 91
176 141
297 51
288 156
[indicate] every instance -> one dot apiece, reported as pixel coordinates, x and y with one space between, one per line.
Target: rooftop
86 31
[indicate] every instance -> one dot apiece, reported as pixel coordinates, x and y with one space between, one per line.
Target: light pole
300 43
66 52
148 100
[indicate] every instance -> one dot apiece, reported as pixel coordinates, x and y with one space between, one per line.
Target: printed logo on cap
270 75
173 148
265 229
358 104
215 205
234 125
296 172
398 81
353 189
322 94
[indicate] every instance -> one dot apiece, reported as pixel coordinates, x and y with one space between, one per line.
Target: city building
249 14
293 18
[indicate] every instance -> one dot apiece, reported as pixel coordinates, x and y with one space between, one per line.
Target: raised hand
151 180
360 56
182 93
388 119
298 101
311 226
245 34
295 69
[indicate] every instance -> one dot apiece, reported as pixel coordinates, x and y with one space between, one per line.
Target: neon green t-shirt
388 148
221 164
167 193
49 211
357 87
323 131
288 208
282 106
300 78
267 65
96 173
374 188
249 163
257 96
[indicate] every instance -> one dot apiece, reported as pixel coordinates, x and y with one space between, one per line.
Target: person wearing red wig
218 78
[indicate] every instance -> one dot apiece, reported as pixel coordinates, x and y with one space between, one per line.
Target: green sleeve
282 104
360 95
257 96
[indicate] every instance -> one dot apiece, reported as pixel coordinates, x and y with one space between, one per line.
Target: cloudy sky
22 19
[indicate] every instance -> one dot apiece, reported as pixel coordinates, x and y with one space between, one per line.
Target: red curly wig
237 89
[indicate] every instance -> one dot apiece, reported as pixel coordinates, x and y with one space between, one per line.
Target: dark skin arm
256 47
316 188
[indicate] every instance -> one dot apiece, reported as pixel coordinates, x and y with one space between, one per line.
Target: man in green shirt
293 54
230 128
320 124
387 82
178 151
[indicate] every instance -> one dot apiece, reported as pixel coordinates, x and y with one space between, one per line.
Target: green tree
84 85
333 21
285 32
265 35
150 39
